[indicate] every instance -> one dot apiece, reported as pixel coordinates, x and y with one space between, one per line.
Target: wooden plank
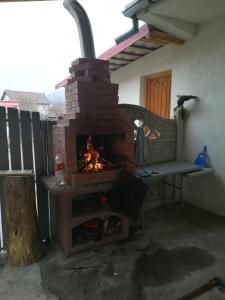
44 143
39 165
116 64
134 56
26 131
4 159
114 67
137 48
112 70
4 165
51 159
49 169
2 217
121 60
163 37
16 173
124 61
14 137
42 194
150 41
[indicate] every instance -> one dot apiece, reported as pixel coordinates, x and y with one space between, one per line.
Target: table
171 168
176 167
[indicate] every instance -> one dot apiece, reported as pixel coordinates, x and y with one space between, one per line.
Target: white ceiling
181 17
193 11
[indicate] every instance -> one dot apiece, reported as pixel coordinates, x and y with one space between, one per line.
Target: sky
39 40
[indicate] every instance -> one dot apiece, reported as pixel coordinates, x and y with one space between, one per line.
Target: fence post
40 167
4 165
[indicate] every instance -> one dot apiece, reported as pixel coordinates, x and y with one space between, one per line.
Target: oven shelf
95 244
51 184
74 209
90 208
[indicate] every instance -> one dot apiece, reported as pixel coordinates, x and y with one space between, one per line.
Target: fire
91 158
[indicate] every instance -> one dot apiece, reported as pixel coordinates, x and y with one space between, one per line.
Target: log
23 242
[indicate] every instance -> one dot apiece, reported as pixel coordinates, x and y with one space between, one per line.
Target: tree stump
23 243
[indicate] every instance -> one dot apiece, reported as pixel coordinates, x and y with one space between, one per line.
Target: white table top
171 168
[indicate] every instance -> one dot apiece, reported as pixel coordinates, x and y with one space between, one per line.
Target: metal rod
173 185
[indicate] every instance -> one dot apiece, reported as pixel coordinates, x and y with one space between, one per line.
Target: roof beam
134 56
151 41
122 46
136 48
164 38
115 59
115 64
112 68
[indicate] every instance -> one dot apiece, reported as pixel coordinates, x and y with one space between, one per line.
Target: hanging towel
140 148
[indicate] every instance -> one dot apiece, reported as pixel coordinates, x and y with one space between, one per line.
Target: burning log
92 158
91 161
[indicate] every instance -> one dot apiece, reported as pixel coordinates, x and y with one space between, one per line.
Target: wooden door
157 93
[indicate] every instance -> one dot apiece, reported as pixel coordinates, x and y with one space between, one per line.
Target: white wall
198 68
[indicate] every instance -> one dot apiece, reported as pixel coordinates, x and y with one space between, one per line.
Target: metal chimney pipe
84 28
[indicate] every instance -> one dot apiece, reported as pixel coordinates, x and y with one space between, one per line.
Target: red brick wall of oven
91 108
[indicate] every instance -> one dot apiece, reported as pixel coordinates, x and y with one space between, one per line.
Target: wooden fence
25 144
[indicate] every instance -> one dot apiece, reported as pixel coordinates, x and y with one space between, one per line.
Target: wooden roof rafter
133 56
149 41
115 59
163 37
139 48
120 64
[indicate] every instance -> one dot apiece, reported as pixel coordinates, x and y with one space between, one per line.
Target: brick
94 177
89 63
91 108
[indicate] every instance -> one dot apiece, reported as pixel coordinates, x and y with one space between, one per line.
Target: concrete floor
181 248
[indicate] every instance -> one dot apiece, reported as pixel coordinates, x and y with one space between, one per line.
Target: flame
91 158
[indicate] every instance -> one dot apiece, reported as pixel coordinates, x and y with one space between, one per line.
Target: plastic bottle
202 158
59 170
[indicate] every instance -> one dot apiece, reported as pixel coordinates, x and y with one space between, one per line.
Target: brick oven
92 116
96 144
